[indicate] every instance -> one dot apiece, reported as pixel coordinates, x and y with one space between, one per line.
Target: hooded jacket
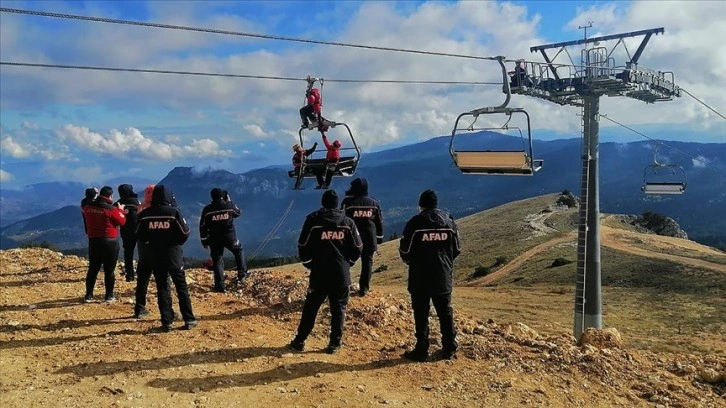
90 195
102 219
315 100
164 229
328 245
333 154
217 221
131 203
429 245
366 212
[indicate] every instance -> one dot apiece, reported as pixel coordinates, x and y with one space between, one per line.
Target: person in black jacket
130 200
329 245
429 245
163 228
366 212
216 230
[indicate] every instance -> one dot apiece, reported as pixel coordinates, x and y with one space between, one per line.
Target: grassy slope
656 303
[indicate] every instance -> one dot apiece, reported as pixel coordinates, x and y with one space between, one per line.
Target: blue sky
89 126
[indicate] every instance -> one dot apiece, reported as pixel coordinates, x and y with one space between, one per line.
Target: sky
89 126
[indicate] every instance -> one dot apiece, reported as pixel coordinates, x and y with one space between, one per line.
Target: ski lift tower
582 85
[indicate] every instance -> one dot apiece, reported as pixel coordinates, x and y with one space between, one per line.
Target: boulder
601 338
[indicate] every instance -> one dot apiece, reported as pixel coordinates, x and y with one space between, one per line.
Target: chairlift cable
273 231
706 164
236 33
214 74
703 103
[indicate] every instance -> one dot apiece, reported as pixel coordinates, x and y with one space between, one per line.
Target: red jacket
102 218
333 154
315 100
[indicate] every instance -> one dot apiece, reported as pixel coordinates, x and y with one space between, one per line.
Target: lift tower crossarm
648 33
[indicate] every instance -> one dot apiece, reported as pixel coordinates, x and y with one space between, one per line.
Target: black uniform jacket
366 212
217 221
164 228
329 244
429 244
130 200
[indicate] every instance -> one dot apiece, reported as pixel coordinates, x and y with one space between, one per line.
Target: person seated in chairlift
311 113
331 161
300 156
519 75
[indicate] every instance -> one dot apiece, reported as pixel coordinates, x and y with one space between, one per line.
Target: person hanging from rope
311 113
325 174
299 158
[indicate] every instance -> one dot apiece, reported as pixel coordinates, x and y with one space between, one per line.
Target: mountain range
396 178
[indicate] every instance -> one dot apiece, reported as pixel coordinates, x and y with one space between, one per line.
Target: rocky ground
57 351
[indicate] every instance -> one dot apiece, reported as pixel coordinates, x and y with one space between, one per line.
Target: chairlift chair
495 162
663 179
346 166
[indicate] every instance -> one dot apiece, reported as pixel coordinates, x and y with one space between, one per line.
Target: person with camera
131 203
102 220
216 230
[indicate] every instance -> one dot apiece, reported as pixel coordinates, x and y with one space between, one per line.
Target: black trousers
216 252
129 244
325 174
421 304
366 269
143 271
163 293
102 253
307 114
338 301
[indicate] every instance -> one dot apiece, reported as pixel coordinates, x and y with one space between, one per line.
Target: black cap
216 193
91 193
106 191
330 199
428 199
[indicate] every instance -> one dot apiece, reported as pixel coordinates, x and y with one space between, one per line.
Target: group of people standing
332 239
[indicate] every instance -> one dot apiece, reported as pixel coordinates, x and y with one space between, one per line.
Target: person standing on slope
130 201
102 221
216 230
366 212
163 228
328 246
429 245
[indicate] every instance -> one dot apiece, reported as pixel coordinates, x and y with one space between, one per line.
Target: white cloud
131 144
255 131
28 125
700 162
13 149
5 176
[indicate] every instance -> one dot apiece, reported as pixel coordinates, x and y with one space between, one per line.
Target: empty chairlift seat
496 162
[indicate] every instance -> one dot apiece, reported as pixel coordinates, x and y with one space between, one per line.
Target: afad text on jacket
429 245
329 245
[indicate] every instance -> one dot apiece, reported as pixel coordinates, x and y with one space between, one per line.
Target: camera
225 195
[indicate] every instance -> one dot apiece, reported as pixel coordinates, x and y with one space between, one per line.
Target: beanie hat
330 199
106 191
428 199
91 193
216 193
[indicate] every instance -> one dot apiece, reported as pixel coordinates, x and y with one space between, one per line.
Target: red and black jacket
102 219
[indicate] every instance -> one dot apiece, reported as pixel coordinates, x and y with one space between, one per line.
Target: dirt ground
57 351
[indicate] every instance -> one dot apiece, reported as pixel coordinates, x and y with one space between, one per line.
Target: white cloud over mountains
131 144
